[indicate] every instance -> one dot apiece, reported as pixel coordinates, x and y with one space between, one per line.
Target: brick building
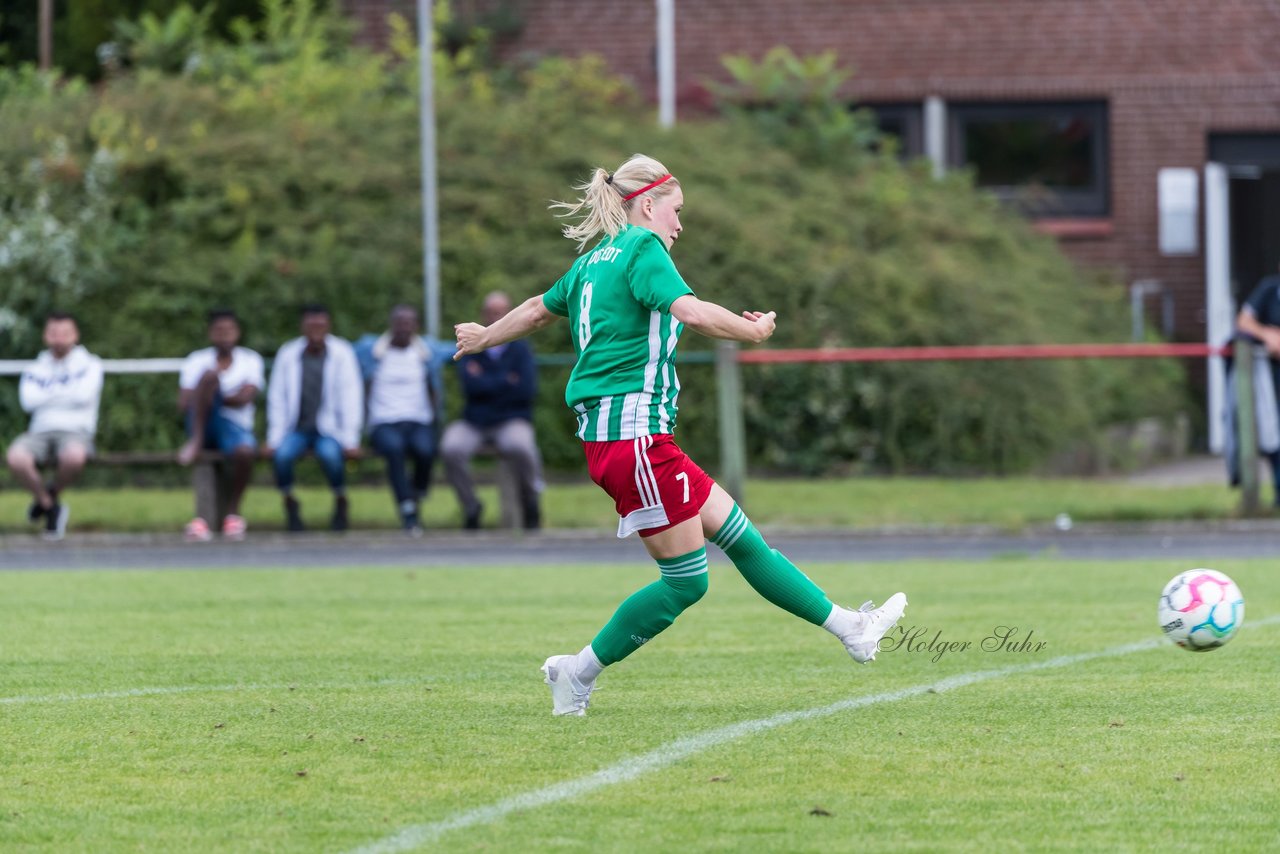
1144 134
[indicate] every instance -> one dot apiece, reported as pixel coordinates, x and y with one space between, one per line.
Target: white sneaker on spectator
197 531
568 695
55 521
234 528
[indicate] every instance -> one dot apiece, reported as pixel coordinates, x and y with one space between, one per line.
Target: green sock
768 570
651 609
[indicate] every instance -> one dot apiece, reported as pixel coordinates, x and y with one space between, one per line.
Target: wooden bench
210 478
512 509
210 481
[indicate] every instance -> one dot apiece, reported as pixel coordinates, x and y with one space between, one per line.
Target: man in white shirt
315 402
217 388
404 394
60 390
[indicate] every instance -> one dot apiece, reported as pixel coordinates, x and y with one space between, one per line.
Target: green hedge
265 184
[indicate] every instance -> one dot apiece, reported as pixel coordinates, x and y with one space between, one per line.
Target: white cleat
568 695
869 624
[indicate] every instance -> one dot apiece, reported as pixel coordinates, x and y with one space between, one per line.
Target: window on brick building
1048 159
903 122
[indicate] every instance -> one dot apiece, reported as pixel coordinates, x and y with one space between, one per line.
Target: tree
81 26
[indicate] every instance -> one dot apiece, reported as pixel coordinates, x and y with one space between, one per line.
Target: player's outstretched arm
530 316
716 321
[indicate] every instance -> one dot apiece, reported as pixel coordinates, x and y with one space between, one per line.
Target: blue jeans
220 433
328 453
400 442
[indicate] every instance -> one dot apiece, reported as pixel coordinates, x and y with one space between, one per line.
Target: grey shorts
47 446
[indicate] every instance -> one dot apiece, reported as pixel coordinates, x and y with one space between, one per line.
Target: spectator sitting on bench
499 384
217 388
315 402
404 397
60 390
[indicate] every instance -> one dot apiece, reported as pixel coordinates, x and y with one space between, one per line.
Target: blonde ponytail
603 206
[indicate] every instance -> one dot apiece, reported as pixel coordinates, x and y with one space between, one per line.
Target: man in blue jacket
499 385
404 400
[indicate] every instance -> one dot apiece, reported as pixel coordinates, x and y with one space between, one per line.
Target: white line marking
199 689
418 835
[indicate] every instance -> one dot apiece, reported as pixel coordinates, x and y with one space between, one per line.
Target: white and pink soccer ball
1200 609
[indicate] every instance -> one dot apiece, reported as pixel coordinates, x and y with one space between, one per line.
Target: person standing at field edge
1259 318
627 306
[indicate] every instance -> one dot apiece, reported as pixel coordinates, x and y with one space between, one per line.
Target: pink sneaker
233 528
197 531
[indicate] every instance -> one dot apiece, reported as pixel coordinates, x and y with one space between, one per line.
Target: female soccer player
627 306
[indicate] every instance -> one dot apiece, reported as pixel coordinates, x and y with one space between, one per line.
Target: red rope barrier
979 352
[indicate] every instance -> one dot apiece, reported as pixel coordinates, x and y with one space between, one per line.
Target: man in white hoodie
60 390
315 402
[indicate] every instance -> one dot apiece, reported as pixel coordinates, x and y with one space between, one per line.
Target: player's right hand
765 323
469 336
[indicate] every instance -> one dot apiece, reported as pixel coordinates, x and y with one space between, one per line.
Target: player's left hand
469 337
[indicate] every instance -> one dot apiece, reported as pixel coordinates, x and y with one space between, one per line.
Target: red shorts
652 482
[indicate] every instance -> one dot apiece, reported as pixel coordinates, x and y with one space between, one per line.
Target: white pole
666 63
430 210
935 134
45 38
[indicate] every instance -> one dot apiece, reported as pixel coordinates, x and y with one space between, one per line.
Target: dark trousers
399 443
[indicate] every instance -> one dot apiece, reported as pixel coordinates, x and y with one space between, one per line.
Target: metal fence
729 361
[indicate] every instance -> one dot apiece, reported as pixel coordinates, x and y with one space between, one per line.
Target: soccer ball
1200 609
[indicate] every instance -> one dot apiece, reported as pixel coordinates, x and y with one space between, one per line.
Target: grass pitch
863 502
273 710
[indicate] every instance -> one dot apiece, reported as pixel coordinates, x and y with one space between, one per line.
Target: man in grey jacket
60 390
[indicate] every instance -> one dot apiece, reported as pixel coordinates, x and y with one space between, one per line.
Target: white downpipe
1219 310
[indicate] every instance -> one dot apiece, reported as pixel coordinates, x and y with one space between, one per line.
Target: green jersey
618 300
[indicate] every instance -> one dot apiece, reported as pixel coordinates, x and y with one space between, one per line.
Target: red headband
646 188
